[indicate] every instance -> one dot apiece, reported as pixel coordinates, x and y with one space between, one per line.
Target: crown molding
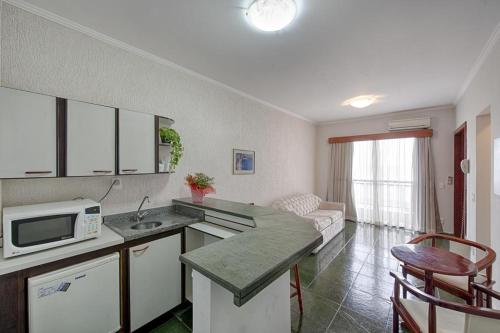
139 52
445 107
485 52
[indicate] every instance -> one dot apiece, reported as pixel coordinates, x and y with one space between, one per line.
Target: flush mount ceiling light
362 101
271 15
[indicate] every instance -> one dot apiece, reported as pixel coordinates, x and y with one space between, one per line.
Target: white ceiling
418 53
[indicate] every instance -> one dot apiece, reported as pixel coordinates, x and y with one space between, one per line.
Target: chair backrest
475 324
485 256
464 318
300 204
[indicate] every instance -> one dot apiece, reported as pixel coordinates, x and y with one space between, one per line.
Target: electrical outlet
118 183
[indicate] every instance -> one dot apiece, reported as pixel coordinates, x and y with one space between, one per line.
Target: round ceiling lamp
363 101
271 15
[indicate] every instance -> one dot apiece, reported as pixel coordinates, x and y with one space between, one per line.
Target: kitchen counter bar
248 262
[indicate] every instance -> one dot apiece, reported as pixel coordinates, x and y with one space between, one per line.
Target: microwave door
42 232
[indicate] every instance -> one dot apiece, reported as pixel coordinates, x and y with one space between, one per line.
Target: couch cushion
320 222
333 214
300 204
322 219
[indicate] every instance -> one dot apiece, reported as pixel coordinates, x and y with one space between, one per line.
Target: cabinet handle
129 170
102 171
37 172
140 251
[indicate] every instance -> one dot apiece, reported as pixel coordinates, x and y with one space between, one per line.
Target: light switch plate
496 166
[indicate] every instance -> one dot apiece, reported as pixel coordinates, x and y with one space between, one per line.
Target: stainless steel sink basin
146 225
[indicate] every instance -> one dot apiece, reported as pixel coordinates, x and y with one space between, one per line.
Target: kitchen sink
146 225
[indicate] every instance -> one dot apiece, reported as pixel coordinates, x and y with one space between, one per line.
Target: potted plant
200 185
170 136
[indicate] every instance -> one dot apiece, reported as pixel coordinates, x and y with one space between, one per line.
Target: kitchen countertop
248 262
168 216
108 238
229 207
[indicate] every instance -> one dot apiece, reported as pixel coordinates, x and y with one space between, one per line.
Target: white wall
484 183
482 93
443 121
41 56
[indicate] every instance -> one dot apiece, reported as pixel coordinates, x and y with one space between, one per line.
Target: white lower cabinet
155 279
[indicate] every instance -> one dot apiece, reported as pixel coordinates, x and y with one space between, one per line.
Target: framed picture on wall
243 162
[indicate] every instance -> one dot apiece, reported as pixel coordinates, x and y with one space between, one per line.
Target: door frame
460 184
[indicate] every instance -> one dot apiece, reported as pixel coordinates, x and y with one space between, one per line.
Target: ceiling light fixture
271 15
361 101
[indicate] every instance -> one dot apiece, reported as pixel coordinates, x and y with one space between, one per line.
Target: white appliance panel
78 299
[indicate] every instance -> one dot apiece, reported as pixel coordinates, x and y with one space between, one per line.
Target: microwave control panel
93 221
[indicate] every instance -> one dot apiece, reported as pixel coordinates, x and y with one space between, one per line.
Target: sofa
327 217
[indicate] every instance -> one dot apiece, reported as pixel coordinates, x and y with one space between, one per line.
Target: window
383 181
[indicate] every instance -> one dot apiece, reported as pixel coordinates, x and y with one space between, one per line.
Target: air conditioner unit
409 124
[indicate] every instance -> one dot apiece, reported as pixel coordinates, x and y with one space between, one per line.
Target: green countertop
248 262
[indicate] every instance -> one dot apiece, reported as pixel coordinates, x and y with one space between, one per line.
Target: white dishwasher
82 298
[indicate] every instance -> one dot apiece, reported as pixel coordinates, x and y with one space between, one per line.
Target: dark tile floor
346 286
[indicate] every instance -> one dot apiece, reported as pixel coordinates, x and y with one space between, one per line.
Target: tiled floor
346 286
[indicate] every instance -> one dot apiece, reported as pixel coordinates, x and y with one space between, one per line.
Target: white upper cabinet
136 142
91 139
27 134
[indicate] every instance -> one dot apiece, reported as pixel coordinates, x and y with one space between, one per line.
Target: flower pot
197 195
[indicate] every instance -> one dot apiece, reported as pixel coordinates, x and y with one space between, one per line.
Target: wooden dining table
433 260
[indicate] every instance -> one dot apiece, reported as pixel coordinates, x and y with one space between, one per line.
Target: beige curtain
340 177
426 211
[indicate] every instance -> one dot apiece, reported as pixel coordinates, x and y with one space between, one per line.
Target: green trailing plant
170 136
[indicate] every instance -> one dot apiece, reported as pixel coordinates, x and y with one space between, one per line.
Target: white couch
327 217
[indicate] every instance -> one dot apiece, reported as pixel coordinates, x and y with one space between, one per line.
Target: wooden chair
430 314
296 286
458 286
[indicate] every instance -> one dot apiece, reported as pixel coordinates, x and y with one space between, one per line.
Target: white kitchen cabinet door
91 139
27 134
136 142
155 279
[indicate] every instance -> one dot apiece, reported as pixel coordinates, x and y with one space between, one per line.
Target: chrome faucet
140 215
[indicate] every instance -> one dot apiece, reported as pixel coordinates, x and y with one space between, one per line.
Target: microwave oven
33 228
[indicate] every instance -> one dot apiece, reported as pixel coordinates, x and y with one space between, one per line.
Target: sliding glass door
383 181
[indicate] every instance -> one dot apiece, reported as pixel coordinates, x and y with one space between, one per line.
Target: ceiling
417 53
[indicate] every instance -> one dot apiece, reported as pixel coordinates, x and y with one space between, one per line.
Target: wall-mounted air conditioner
409 124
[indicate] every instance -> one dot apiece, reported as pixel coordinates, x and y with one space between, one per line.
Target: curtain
426 217
340 177
383 182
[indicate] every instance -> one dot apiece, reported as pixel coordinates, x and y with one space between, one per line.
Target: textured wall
443 121
482 94
41 56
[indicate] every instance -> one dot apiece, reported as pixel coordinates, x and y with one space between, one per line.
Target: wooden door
460 188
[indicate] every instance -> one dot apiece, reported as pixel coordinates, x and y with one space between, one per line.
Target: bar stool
296 286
